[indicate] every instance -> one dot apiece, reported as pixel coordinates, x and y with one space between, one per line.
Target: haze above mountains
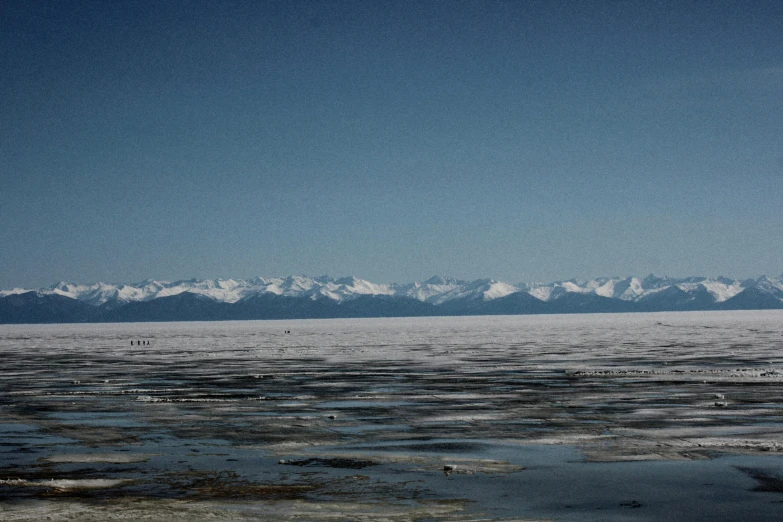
298 297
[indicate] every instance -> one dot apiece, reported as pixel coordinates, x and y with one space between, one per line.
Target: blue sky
390 140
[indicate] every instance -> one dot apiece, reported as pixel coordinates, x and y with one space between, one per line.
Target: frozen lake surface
580 417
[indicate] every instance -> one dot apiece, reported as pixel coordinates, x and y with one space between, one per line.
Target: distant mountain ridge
321 297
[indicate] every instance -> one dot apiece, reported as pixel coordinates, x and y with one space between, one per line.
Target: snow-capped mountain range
436 290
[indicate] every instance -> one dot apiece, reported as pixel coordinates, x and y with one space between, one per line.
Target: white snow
720 291
13 291
542 292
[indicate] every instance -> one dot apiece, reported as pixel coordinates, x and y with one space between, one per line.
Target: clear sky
523 141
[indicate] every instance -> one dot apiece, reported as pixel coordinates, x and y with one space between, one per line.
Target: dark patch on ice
767 482
338 462
633 504
429 447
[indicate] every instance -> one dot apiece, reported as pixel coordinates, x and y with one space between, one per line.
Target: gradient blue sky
389 140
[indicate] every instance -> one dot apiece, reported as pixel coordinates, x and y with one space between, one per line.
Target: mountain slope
185 306
32 307
752 298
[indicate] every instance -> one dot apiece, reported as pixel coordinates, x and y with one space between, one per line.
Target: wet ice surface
595 417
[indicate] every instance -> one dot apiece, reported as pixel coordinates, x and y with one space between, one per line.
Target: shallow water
622 417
